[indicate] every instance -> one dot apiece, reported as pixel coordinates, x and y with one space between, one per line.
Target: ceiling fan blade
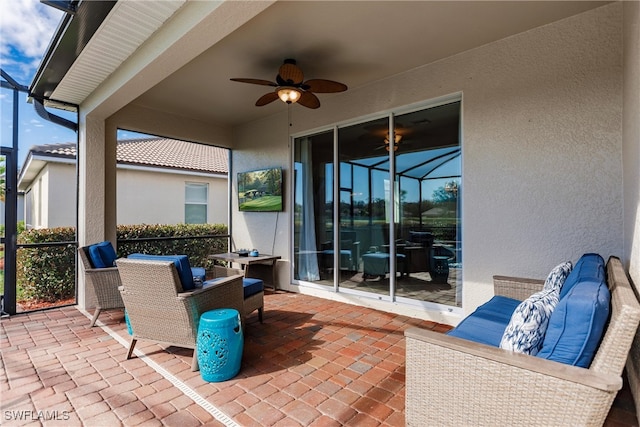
309 100
290 73
325 86
255 82
266 99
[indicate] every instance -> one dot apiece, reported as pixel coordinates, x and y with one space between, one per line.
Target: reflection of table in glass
257 267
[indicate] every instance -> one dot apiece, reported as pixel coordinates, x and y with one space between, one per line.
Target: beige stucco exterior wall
144 197
37 197
631 138
631 167
542 149
58 199
159 198
52 196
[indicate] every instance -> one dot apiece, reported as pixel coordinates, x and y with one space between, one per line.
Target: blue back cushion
487 324
199 272
182 265
102 255
252 286
577 324
588 267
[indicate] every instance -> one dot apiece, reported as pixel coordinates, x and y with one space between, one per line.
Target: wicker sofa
453 381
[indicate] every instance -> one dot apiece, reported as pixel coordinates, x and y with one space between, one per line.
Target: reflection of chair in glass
349 252
376 264
418 248
102 283
160 310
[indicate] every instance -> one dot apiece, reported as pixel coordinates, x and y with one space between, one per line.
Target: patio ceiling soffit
94 42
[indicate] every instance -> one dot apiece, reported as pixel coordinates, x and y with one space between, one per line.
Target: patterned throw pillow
529 321
558 275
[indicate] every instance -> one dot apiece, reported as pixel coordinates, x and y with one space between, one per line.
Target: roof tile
155 152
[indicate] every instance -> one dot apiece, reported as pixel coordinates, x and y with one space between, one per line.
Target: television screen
260 190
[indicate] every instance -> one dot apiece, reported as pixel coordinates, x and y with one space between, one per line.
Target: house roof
143 152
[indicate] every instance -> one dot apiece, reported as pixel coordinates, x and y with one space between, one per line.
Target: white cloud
26 26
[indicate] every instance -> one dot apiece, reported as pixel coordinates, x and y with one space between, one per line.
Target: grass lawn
263 204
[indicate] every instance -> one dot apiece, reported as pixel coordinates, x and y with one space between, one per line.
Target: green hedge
47 274
196 249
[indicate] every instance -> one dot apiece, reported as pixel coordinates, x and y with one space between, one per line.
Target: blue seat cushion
211 281
487 323
577 324
102 255
252 286
182 266
199 273
588 267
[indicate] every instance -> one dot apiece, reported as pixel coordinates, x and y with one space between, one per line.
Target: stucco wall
631 138
631 167
61 190
154 198
53 197
38 197
541 122
142 197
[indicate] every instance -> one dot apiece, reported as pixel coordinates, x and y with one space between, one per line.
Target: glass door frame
390 115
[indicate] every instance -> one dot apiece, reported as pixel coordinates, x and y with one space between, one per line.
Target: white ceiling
355 42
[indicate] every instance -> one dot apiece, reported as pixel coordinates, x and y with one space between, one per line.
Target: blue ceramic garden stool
219 344
126 319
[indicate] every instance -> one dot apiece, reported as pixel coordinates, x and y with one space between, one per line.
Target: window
392 194
196 197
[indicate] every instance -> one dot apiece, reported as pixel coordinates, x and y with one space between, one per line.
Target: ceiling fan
290 86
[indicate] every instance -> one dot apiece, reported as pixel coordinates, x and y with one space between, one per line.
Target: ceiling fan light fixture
289 94
291 88
396 141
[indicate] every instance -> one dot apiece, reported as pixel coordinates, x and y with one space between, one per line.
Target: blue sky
26 28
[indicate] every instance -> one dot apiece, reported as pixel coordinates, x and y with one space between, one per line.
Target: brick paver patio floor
313 362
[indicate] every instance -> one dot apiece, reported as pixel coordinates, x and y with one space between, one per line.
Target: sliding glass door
394 232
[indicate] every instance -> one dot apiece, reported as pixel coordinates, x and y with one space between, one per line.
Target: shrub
196 249
47 273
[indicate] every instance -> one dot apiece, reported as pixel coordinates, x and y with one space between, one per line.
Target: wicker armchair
452 381
101 285
252 302
160 311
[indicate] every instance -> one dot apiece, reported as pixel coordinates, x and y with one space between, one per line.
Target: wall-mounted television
260 190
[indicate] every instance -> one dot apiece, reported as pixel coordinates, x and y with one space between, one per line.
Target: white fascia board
171 171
